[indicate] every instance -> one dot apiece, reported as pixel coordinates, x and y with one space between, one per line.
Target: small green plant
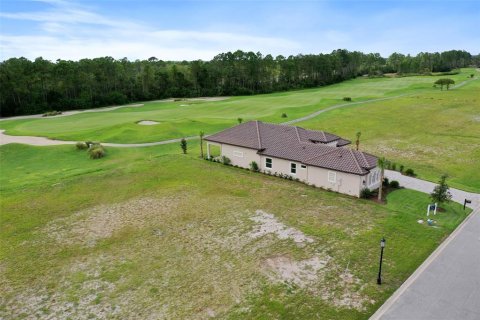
409 172
226 160
284 115
441 192
394 166
240 120
96 151
401 168
254 166
385 182
347 98
365 193
183 145
81 146
394 184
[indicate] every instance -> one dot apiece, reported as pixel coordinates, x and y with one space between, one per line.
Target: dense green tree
444 82
28 87
441 192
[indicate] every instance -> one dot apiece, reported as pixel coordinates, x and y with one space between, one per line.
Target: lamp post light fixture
382 246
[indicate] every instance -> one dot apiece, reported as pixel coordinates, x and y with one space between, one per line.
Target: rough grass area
433 133
151 233
178 119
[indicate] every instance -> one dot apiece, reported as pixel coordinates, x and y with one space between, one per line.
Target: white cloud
69 31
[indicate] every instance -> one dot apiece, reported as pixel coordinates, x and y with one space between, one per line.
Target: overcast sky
189 30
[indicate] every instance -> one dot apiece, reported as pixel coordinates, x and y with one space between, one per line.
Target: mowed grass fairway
153 234
429 130
187 118
433 133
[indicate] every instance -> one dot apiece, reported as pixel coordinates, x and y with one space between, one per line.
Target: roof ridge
258 135
298 135
324 135
363 156
355 159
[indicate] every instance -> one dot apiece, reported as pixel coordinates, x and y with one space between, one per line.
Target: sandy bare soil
268 224
34 141
147 122
69 113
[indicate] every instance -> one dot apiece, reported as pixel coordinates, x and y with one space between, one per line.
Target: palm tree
357 142
201 143
381 163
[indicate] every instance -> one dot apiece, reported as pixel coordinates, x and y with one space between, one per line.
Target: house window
332 176
238 154
268 163
293 168
303 166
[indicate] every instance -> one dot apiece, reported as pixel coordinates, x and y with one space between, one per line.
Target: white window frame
238 154
329 174
293 163
271 163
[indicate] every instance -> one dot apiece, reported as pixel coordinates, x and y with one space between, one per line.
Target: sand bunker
147 122
269 224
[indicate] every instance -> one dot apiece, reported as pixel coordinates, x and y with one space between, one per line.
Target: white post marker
432 207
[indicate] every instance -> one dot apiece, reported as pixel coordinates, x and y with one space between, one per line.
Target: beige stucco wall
283 166
248 155
346 183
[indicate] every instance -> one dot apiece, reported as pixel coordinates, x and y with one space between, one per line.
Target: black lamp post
382 245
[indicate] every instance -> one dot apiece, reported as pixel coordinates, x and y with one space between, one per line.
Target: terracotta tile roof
297 144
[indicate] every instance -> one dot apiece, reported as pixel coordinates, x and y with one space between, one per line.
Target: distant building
315 157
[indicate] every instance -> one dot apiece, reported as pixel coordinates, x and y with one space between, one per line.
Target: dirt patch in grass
88 226
268 224
300 273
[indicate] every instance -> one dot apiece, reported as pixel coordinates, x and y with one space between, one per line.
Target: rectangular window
293 168
332 176
268 163
303 166
238 154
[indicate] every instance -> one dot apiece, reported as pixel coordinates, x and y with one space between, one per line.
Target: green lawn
432 132
149 232
187 118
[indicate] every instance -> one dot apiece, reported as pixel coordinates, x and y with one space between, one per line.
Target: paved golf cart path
447 285
42 141
73 112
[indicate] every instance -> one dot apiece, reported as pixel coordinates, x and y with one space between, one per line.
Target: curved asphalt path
42 141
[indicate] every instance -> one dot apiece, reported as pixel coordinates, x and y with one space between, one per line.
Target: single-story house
315 157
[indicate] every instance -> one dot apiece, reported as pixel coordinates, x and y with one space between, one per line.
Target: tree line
29 87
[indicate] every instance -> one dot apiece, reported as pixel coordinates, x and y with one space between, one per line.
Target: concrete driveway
427 187
447 285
